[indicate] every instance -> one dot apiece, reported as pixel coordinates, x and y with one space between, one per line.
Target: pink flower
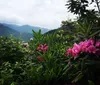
75 50
91 49
69 51
77 47
91 41
98 44
45 48
84 46
42 48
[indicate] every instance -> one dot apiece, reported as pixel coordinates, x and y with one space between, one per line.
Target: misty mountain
26 28
7 31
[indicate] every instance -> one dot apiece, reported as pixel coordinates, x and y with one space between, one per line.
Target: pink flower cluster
42 48
87 46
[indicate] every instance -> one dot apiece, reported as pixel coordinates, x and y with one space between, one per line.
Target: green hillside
6 31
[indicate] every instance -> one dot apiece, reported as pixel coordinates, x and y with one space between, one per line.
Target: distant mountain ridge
7 31
26 28
24 31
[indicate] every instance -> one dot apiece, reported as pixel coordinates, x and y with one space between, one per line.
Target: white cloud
43 13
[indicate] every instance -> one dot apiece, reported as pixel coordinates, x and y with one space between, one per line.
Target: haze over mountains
24 31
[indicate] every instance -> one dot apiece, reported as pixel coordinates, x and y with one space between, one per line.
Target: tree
86 15
80 7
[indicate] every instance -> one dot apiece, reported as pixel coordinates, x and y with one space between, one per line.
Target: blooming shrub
45 62
87 46
84 61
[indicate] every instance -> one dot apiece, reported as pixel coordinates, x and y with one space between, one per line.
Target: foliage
45 60
81 8
31 70
86 31
10 49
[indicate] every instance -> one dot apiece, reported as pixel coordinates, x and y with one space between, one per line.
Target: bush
10 50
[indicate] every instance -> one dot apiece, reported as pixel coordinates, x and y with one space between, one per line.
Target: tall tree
80 7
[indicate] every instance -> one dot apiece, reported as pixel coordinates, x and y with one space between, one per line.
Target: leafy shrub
10 49
45 63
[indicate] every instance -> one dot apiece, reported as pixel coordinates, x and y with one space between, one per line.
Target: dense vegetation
69 55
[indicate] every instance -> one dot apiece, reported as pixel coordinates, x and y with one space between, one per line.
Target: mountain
7 31
24 31
26 28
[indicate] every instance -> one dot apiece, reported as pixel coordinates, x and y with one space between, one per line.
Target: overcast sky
42 13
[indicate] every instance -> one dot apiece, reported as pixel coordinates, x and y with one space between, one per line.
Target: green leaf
78 77
97 32
12 83
90 82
